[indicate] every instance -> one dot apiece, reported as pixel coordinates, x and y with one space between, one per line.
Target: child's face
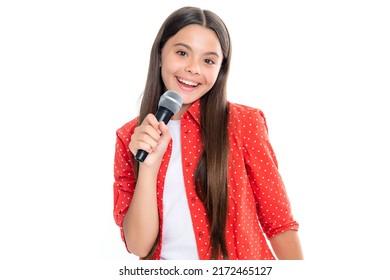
190 62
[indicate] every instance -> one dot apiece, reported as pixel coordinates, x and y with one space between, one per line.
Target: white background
71 73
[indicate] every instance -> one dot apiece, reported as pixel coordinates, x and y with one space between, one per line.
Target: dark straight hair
211 174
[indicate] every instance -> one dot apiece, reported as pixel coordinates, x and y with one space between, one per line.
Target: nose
193 67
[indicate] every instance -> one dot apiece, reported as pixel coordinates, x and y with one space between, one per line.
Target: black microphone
168 105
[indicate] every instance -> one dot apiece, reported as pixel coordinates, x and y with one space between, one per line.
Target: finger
163 128
151 120
152 132
143 139
165 134
146 129
143 146
136 145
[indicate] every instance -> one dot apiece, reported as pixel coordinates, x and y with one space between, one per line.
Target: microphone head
171 100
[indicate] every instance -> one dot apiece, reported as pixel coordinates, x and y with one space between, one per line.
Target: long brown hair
211 174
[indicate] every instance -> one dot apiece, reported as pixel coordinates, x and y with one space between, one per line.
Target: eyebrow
188 47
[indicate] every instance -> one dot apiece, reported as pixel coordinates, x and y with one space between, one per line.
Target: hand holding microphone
169 104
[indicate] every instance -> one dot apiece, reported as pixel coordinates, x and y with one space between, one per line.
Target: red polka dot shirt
258 205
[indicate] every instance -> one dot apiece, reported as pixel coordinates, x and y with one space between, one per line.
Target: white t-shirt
178 238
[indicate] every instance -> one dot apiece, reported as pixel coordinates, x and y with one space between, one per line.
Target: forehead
198 37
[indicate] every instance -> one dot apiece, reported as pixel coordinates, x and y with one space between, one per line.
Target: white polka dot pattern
258 204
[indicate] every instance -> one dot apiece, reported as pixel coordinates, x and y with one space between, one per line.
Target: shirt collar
193 112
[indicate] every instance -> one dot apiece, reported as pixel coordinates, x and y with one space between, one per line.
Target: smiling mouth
187 83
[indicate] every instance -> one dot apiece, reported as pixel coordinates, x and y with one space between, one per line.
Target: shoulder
245 115
126 130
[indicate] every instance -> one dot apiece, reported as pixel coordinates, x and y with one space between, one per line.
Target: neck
182 110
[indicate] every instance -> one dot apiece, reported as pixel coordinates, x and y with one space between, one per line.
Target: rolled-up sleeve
272 203
124 176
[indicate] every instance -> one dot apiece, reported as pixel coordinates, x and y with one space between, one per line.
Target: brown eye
209 61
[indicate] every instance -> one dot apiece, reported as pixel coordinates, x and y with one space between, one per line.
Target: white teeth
188 82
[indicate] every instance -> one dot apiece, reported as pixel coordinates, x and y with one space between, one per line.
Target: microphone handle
162 114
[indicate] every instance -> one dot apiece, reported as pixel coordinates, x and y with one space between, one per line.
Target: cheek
211 76
165 74
169 69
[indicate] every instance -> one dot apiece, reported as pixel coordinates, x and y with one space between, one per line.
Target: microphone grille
171 100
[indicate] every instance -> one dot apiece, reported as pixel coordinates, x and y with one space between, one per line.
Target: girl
210 187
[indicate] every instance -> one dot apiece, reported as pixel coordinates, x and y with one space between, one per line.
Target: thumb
165 134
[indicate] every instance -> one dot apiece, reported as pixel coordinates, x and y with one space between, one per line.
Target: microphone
168 105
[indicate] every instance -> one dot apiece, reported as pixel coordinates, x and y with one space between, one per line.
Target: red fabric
257 200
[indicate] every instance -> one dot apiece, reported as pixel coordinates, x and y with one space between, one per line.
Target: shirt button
187 131
193 199
188 164
200 234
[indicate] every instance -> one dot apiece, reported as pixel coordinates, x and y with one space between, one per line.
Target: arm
274 208
141 222
287 246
